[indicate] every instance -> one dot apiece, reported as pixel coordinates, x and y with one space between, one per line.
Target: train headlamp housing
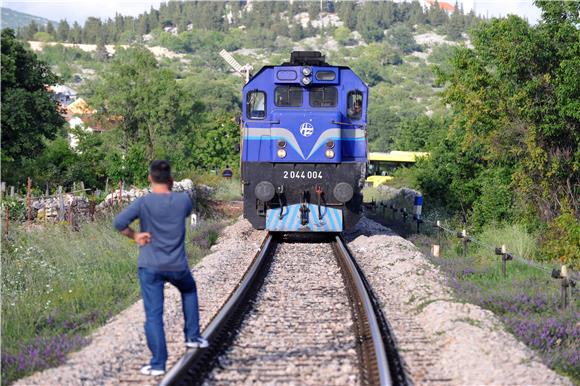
281 153
264 191
343 192
306 80
329 153
330 144
281 143
306 71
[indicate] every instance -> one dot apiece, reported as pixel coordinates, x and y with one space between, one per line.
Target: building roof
80 107
442 4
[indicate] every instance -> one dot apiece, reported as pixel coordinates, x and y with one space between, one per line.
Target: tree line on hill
267 20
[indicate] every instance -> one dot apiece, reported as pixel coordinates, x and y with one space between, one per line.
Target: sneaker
147 370
197 343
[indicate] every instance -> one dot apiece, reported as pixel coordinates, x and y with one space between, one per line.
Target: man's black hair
160 171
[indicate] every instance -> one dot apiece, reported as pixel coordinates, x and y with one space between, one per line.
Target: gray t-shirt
163 216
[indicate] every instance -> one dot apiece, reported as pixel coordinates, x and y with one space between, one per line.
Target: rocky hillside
14 19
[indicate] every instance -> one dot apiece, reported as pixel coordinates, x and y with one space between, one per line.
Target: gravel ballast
441 340
118 350
300 331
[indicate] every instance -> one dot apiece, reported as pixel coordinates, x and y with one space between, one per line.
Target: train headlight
330 144
281 144
306 71
329 153
306 80
281 153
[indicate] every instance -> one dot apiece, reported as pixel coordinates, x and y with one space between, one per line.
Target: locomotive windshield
256 105
323 96
288 96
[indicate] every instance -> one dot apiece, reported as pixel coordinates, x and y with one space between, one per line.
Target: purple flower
39 354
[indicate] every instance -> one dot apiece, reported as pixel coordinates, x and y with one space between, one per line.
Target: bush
402 37
43 37
562 240
342 35
494 203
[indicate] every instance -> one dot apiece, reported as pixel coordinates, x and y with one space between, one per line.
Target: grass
228 190
527 300
59 285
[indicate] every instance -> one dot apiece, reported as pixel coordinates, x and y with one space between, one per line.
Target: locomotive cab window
256 105
324 96
288 96
354 104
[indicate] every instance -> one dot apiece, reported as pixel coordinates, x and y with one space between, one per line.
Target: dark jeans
152 283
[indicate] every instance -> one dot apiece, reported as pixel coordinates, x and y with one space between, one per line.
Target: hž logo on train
306 129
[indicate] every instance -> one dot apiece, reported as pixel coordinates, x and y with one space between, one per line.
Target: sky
81 9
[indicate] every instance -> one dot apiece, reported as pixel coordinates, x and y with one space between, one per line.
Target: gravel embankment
300 331
118 350
295 338
441 340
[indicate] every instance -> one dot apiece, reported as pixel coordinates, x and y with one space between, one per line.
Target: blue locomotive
304 148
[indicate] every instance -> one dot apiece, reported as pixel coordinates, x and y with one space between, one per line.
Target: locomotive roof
303 58
306 58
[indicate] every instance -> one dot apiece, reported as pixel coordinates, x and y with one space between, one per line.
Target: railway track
302 313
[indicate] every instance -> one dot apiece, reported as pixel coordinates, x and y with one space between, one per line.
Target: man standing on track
162 259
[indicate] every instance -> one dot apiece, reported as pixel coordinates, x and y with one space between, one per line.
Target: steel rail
195 364
381 363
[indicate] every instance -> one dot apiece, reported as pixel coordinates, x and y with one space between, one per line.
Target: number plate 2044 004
302 174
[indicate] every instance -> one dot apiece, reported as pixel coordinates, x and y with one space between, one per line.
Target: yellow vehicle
381 165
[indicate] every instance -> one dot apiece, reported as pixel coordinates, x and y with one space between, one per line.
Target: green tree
62 31
342 35
369 70
50 30
416 14
54 164
419 134
29 31
75 34
383 124
29 114
456 24
150 106
93 31
42 37
369 23
216 142
346 10
436 15
515 122
402 37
